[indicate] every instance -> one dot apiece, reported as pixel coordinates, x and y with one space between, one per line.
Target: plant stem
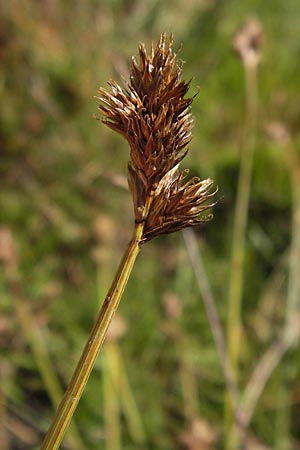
290 334
238 242
291 331
85 365
292 323
240 223
111 404
118 378
214 321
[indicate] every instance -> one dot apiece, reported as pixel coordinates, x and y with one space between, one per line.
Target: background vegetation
66 217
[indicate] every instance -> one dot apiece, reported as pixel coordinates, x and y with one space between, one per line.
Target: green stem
292 323
239 227
292 318
128 403
238 243
85 365
111 403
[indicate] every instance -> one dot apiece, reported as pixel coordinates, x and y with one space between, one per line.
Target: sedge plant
152 112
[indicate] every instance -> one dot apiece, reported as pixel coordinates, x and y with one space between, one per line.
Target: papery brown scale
143 59
135 71
163 121
150 155
175 89
163 92
156 85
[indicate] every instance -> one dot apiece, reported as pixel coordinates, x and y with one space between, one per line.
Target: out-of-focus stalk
292 318
246 43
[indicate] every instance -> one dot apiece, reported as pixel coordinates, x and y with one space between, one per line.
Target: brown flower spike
153 114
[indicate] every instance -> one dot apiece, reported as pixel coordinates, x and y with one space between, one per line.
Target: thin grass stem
240 223
234 324
111 404
292 322
127 400
260 376
292 318
290 335
214 320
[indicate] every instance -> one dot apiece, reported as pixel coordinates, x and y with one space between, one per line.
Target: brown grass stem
85 365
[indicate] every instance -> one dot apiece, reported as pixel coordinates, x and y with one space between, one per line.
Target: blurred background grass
66 217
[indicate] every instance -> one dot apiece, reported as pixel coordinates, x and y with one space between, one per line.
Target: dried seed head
199 435
153 114
278 131
247 42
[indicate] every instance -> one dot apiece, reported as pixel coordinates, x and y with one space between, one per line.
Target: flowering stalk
153 115
247 44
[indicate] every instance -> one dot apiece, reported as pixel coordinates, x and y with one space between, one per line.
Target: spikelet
153 115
